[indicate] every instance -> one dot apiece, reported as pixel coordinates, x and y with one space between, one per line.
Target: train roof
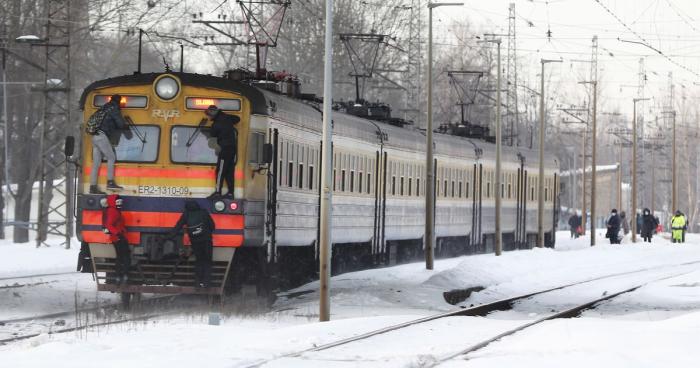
308 115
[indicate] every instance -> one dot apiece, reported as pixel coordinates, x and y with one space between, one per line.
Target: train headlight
103 202
219 206
167 88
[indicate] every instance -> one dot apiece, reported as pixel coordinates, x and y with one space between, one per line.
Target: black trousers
225 167
123 261
202 250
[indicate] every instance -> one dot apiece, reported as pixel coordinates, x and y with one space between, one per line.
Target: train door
475 239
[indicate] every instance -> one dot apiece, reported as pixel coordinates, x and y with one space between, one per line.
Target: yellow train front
164 159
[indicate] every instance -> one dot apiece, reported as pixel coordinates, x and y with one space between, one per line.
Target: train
267 234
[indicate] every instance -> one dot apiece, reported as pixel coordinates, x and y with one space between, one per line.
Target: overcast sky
670 26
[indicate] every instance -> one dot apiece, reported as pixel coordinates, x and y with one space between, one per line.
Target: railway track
485 309
100 316
38 275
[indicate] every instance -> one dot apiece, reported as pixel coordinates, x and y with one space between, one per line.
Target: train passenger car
268 233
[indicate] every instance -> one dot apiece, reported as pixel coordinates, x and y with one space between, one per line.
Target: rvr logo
165 114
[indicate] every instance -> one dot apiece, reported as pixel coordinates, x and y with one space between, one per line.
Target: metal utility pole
325 247
430 184
512 78
593 160
56 124
498 244
674 188
634 167
584 212
540 182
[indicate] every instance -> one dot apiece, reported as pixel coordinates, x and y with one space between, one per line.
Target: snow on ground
25 259
656 326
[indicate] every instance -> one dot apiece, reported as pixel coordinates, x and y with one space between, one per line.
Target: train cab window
139 145
300 176
311 178
189 145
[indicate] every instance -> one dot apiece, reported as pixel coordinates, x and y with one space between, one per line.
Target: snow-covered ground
656 326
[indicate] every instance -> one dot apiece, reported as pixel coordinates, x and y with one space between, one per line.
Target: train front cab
166 159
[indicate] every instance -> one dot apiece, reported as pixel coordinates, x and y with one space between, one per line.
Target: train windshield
139 144
190 145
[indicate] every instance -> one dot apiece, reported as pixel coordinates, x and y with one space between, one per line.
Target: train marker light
219 206
233 206
167 88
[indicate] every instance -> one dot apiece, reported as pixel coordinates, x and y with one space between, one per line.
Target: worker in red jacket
113 224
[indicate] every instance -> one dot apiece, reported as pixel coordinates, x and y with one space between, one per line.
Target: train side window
410 186
467 191
417 187
444 191
453 189
342 180
359 182
290 171
369 183
335 177
401 187
460 189
300 176
311 178
393 185
488 190
352 181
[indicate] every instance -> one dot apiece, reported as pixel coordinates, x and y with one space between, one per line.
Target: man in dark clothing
101 144
113 224
613 228
226 135
200 227
574 223
649 224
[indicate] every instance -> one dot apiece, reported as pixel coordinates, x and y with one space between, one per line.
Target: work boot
95 190
111 185
214 195
229 195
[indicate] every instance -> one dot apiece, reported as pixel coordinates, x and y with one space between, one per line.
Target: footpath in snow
656 326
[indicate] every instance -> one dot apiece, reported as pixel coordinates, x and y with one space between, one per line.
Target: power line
645 42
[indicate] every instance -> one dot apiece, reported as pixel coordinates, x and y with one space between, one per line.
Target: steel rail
479 310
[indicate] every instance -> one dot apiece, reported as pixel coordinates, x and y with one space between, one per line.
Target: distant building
607 178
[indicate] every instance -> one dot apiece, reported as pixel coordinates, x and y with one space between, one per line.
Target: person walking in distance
677 225
104 123
113 224
224 130
200 227
649 224
613 225
574 223
625 223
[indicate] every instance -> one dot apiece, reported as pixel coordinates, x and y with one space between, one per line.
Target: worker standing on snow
677 225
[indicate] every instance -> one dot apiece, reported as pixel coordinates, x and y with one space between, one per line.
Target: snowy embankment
20 260
656 326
